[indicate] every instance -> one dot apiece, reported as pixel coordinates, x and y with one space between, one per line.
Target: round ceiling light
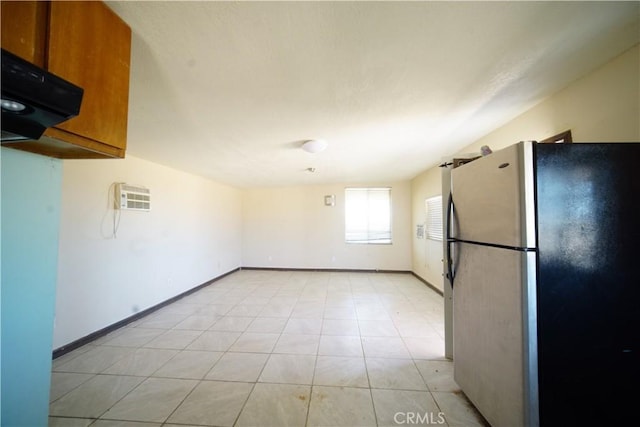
315 146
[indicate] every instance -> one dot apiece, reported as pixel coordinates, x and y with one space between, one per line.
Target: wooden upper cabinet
90 46
87 44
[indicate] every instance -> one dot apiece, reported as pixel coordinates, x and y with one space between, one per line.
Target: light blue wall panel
31 195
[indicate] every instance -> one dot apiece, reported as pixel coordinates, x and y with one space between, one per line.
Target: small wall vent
132 197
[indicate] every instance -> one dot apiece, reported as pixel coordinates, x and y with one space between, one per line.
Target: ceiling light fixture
314 146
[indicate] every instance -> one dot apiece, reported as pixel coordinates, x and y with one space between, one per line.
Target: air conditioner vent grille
133 197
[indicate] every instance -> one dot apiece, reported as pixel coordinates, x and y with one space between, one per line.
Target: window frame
561 138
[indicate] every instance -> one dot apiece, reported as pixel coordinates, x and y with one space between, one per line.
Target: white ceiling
230 90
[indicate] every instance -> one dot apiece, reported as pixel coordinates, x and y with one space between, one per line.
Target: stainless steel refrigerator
542 246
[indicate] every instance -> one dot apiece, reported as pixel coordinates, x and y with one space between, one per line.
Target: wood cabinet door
24 28
90 46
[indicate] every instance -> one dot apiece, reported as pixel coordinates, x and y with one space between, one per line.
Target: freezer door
493 198
494 350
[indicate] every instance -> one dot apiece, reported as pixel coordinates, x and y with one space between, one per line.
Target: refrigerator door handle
450 274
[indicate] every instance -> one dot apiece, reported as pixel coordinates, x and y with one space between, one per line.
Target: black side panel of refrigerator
588 214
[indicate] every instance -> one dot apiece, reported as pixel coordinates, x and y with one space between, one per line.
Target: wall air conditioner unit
132 197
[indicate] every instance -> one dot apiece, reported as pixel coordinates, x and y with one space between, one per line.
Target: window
433 207
368 215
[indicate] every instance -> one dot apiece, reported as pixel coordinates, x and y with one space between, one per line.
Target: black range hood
34 99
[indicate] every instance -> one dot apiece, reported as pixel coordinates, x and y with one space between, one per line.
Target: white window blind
433 207
368 215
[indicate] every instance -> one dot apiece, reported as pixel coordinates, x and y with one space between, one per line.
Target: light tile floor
271 348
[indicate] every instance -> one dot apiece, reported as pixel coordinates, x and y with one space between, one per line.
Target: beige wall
291 228
191 235
426 256
604 106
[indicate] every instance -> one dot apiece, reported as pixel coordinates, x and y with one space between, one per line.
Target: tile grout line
373 404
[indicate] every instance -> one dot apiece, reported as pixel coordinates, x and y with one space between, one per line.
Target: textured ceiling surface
231 90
